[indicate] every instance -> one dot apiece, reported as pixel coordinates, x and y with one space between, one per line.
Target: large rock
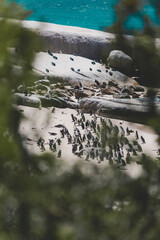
38 101
30 101
121 62
135 110
84 42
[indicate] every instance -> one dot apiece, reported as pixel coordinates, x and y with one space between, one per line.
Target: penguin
78 111
80 84
62 132
72 69
101 157
143 140
97 83
69 139
104 84
99 70
55 57
71 59
88 144
127 130
53 64
54 147
83 117
134 152
110 73
123 132
97 153
95 143
91 154
84 138
137 137
117 148
128 158
116 128
87 157
59 126
87 123
90 112
52 133
82 125
66 131
49 52
80 153
98 128
80 147
53 109
73 118
74 148
119 157
110 122
130 147
115 155
90 69
51 144
59 141
139 148
59 154
40 143
89 135
77 87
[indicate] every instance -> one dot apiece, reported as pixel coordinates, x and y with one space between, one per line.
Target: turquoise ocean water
93 14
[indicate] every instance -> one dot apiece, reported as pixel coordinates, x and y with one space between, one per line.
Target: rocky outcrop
38 101
121 62
84 42
128 109
30 101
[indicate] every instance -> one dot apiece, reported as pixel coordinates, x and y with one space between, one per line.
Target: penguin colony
96 139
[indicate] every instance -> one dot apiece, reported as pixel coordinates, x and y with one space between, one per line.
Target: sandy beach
40 123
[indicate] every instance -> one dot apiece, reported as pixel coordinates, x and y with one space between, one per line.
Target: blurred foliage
41 198
143 47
